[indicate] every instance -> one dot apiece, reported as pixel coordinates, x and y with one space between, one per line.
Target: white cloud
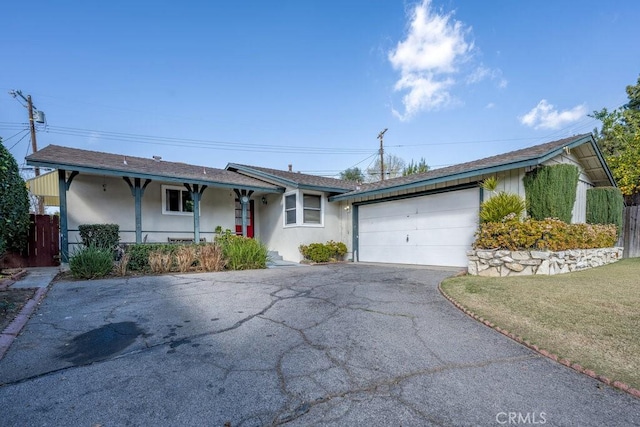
490 106
483 73
428 58
546 116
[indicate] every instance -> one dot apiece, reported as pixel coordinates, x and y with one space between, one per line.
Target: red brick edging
617 384
15 327
5 283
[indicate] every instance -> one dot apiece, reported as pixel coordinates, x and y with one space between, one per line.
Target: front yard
591 317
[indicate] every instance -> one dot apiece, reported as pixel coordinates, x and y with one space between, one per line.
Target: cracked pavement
345 344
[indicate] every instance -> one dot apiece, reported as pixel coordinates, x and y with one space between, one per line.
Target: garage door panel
440 228
395 223
447 219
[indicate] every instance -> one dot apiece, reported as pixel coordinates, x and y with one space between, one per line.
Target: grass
590 317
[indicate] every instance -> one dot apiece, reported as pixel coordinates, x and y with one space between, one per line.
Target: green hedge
605 206
551 191
549 234
105 236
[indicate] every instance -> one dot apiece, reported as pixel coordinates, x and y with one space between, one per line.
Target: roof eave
482 171
163 178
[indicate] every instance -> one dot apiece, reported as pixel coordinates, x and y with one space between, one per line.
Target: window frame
180 203
300 209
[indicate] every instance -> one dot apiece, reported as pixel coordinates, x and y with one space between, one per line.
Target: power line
19 141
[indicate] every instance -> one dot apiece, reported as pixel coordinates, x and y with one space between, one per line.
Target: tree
414 168
619 140
393 167
14 205
352 174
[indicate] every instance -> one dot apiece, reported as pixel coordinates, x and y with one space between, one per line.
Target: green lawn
590 317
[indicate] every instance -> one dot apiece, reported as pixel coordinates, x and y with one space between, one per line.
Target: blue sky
312 83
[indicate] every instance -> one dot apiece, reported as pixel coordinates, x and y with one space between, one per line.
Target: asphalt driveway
348 344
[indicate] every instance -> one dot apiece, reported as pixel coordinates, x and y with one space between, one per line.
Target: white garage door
429 230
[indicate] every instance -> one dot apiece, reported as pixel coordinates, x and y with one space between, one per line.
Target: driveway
348 344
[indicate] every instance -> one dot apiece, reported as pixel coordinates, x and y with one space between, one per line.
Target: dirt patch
11 302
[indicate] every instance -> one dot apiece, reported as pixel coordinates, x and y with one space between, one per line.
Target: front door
249 219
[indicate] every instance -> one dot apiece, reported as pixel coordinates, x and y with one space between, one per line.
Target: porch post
64 226
244 198
137 192
196 194
63 186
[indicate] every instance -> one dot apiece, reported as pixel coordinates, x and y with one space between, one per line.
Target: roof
586 150
94 162
295 179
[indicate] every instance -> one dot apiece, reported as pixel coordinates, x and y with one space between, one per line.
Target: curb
576 367
15 327
4 284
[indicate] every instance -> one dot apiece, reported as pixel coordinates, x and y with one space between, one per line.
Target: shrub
121 266
242 253
104 236
605 206
14 205
139 254
502 205
551 191
211 257
185 257
90 262
548 234
160 262
323 252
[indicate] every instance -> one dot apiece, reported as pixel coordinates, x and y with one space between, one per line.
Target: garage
435 229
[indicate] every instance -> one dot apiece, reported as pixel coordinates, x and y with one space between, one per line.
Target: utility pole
380 137
34 144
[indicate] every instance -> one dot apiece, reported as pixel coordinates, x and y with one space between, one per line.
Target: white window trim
164 200
300 209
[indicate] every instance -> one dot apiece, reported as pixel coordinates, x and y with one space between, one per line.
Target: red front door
249 219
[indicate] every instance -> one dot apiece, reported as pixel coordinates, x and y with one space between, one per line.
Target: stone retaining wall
501 263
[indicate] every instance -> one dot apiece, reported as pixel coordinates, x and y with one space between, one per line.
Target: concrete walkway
348 344
39 278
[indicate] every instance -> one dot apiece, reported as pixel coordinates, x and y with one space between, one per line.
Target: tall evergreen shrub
14 204
551 191
605 206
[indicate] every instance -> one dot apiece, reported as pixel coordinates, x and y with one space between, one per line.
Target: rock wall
500 263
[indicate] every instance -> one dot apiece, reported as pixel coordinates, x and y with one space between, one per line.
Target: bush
14 205
90 262
501 206
605 206
185 257
139 254
548 234
243 253
211 257
324 252
551 191
160 262
105 236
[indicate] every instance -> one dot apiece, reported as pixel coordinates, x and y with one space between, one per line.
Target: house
428 218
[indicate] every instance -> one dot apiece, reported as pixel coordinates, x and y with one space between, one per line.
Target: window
290 209
312 209
176 200
303 209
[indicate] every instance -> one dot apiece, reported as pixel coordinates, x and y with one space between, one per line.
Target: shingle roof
59 157
295 178
513 159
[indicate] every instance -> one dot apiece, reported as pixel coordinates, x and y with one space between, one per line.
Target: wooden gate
44 241
631 232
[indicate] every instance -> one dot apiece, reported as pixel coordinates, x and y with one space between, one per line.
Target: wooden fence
631 232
